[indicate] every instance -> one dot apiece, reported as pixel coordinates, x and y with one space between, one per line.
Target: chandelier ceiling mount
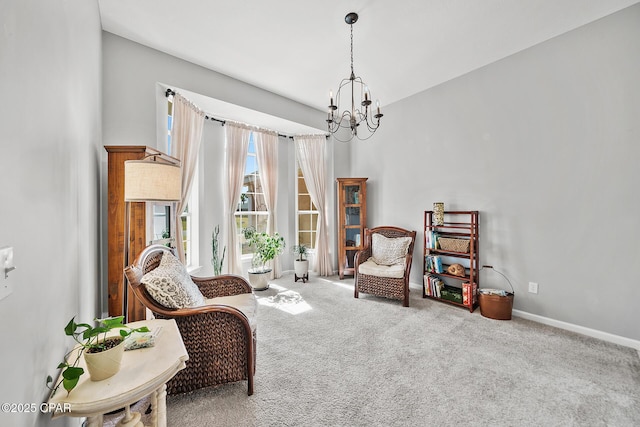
360 113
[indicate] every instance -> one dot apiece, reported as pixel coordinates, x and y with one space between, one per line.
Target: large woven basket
454 245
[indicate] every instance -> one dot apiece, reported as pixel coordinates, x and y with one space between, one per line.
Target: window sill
192 269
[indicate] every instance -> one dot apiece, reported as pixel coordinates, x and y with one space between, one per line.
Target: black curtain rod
171 92
207 117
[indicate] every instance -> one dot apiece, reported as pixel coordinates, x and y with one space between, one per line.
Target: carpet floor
325 358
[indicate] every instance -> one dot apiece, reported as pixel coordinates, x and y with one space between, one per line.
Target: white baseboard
605 336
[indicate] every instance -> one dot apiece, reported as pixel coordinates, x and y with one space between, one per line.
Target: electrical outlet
533 287
5 290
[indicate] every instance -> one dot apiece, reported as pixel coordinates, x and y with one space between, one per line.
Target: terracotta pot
104 364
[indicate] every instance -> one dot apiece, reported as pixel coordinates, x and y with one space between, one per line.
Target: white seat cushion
246 303
369 267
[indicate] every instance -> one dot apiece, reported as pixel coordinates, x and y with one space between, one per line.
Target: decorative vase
259 279
105 364
438 213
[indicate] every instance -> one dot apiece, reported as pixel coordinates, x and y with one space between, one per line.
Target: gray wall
134 99
50 56
545 145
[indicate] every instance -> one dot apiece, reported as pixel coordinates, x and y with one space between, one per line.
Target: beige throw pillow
171 286
389 250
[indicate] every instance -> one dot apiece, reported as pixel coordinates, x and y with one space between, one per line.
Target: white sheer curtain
188 121
310 151
267 155
237 145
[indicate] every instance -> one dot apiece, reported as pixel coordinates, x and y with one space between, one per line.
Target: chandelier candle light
354 117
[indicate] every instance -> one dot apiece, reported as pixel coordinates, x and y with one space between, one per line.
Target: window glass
307 214
252 209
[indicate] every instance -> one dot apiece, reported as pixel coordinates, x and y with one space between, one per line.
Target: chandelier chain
352 73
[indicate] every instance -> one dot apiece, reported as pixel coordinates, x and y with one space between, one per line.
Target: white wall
50 53
545 145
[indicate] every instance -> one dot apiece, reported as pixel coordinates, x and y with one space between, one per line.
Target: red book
468 291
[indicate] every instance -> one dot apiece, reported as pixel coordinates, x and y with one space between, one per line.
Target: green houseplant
265 248
300 251
216 260
301 263
92 340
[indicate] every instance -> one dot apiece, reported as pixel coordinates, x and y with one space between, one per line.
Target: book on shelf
469 292
432 240
433 285
433 264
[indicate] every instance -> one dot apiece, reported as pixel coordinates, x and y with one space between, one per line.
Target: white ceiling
300 49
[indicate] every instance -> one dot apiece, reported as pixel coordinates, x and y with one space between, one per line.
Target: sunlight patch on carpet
288 301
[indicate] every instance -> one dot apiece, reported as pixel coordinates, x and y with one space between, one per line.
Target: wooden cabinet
455 241
352 220
117 155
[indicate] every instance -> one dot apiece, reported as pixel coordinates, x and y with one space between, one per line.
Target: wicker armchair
389 287
218 338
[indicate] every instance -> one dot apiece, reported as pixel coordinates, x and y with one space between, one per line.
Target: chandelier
361 113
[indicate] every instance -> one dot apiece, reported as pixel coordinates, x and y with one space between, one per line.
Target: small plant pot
301 270
259 280
105 364
301 267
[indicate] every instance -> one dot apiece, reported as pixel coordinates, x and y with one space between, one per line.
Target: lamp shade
151 181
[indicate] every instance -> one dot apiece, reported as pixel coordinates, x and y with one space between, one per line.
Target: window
161 223
187 232
169 122
307 215
189 221
252 209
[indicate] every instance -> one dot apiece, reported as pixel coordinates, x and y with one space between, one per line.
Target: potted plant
301 263
265 248
216 260
102 353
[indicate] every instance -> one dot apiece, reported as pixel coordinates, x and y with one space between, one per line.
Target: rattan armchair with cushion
382 268
220 335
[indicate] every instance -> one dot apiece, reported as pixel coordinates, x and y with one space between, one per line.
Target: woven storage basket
454 245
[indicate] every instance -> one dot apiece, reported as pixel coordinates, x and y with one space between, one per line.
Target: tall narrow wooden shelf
352 220
117 155
457 225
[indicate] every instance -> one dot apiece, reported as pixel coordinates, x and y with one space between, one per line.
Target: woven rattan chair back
393 288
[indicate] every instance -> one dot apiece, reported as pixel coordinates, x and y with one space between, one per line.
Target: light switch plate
6 260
